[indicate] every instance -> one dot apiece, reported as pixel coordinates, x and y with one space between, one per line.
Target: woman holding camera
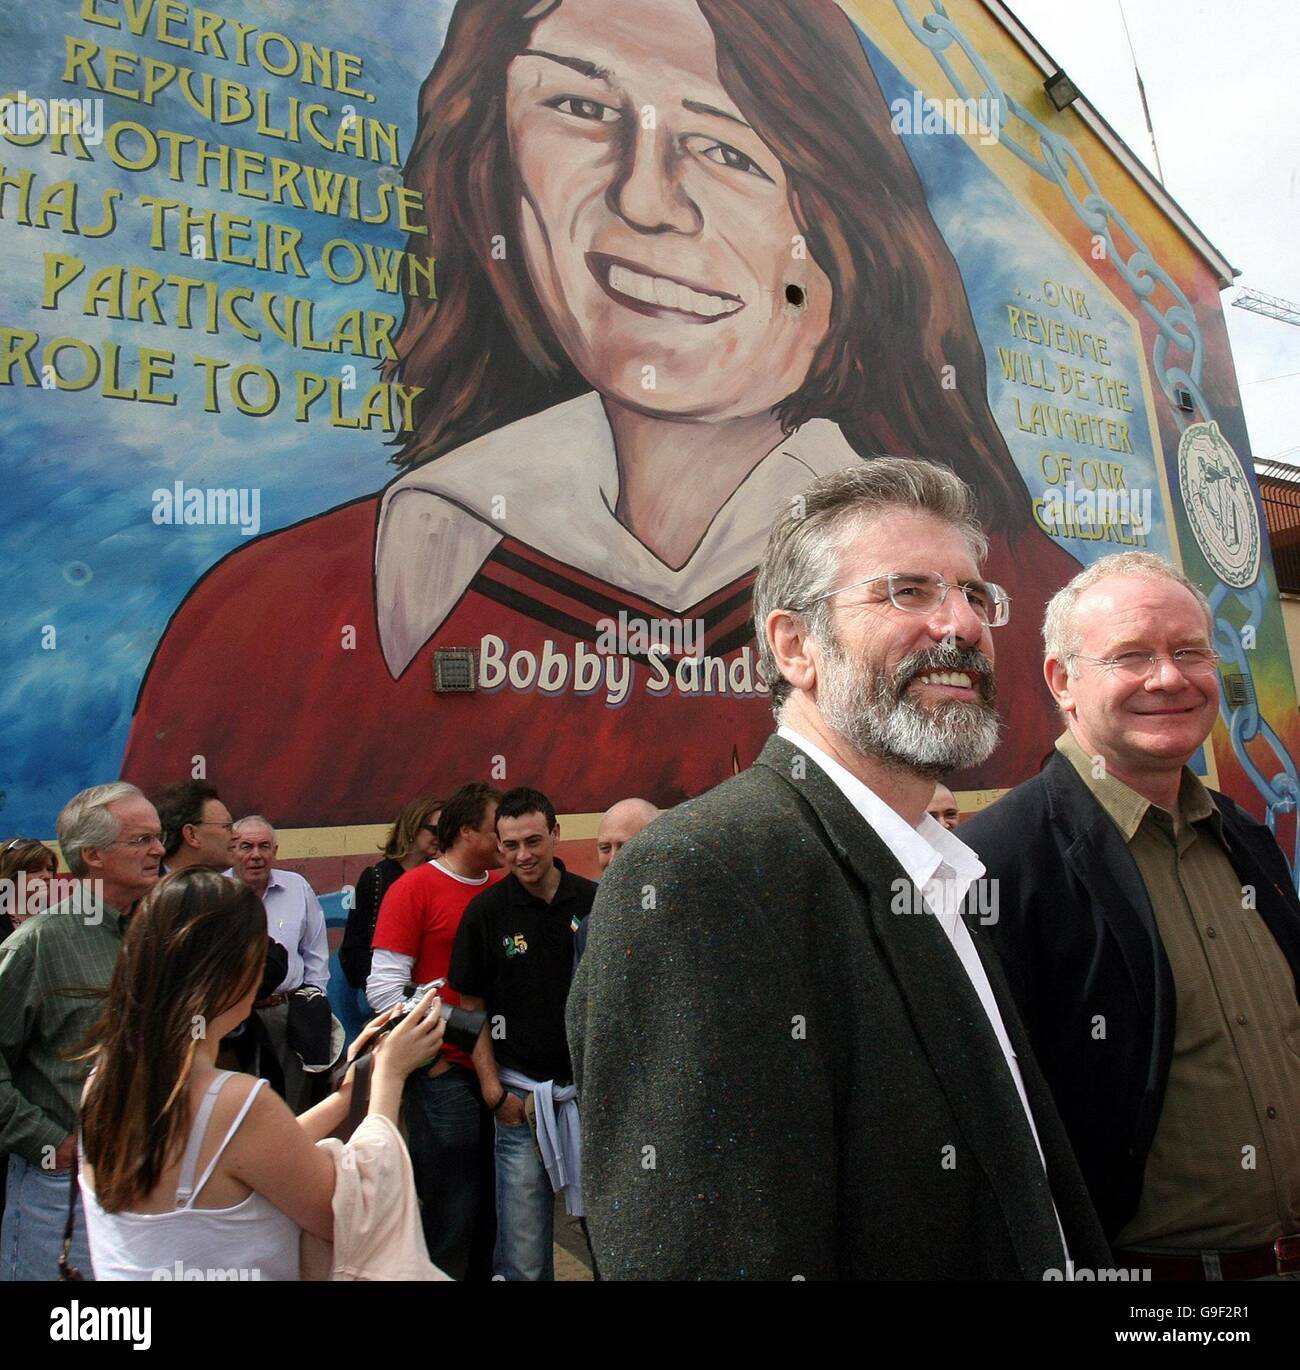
187 1169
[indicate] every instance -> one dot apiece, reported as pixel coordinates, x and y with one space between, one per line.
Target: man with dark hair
796 1059
450 1131
196 826
514 958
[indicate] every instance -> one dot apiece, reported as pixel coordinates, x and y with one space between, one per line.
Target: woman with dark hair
684 267
35 891
183 1164
28 871
411 841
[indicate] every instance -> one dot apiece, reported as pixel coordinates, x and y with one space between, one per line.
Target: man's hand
66 1152
511 1111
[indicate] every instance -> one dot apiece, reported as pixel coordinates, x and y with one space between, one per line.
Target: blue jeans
525 1247
450 1137
36 1211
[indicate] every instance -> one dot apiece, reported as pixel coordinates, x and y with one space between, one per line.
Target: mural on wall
608 296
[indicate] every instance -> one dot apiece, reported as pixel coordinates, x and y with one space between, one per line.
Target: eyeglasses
921 593
212 823
145 839
1141 665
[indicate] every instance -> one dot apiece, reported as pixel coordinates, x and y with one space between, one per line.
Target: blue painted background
78 546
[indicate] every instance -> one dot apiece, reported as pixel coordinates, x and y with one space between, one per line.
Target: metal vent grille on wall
455 670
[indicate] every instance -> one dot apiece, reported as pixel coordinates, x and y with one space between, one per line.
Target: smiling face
528 847
1139 726
913 689
656 223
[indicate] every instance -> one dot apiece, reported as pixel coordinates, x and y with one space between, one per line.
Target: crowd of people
742 1053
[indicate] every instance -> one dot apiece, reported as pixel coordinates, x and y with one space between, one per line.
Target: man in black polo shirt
514 958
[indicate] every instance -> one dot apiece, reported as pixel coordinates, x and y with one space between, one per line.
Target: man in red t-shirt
450 1132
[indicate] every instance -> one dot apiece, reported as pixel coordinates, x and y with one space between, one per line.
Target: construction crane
1269 305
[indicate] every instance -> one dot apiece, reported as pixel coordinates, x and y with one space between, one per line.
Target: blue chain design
1177 326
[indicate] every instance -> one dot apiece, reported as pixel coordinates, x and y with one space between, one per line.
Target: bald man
618 824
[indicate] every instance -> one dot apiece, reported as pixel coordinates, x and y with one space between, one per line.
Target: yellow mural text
68 363
143 295
178 25
57 205
1060 383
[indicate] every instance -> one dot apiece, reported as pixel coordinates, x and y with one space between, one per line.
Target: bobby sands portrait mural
684 266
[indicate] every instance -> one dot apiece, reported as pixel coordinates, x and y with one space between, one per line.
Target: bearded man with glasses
830 1079
1151 934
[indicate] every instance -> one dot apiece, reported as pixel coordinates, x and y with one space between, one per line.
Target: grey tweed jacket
781 1078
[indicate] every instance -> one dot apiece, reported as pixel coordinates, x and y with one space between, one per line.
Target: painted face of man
656 223
1138 718
528 847
914 689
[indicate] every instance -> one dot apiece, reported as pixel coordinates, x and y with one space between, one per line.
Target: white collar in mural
551 481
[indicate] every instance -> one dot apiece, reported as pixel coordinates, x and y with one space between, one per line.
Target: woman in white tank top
188 1172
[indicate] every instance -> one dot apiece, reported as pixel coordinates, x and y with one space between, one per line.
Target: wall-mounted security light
1061 91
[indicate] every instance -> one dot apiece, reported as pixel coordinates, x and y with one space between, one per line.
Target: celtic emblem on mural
1219 504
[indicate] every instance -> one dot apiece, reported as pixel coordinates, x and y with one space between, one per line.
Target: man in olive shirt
1151 934
53 971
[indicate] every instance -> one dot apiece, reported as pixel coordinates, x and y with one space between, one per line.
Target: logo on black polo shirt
516 945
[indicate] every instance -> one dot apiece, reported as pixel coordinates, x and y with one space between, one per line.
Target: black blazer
1083 956
780 1077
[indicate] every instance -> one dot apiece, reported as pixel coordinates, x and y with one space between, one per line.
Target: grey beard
876 714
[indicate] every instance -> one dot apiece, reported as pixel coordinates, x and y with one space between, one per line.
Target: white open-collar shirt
943 868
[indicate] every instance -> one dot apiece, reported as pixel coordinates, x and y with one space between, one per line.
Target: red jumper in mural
684 267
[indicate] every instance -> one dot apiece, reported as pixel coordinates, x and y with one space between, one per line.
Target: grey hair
1061 639
84 821
803 551
254 820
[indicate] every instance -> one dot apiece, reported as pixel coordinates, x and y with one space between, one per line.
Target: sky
1220 81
